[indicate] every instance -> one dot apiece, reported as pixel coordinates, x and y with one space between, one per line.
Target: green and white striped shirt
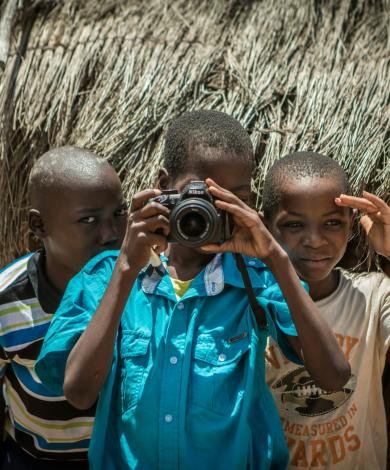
43 424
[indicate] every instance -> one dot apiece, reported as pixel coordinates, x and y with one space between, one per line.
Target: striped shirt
43 424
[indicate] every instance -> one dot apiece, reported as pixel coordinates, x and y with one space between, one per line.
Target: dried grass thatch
111 76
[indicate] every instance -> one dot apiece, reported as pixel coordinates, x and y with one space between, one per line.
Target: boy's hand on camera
375 221
144 219
250 236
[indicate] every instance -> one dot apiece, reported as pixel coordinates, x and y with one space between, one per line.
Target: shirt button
180 306
173 360
252 263
222 357
168 418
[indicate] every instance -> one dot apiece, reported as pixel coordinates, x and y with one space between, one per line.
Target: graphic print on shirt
318 424
299 394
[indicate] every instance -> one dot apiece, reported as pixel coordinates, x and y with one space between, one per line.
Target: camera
194 220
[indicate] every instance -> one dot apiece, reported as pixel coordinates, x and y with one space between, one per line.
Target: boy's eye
293 224
333 222
88 220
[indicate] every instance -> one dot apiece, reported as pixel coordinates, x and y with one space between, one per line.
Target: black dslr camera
194 220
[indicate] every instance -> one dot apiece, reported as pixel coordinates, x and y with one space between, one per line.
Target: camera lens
193 224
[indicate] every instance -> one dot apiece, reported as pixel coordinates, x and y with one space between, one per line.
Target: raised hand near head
375 219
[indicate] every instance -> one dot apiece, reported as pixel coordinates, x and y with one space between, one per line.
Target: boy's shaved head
77 210
198 131
296 166
63 168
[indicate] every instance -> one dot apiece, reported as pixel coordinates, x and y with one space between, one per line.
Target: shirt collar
48 296
221 270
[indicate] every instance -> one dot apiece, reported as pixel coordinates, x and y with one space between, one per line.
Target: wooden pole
5 30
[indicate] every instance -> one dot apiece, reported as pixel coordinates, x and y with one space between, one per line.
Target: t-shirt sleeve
279 320
80 301
384 323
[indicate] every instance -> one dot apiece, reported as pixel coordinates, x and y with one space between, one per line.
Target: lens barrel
195 222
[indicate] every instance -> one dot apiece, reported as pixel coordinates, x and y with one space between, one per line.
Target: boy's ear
36 224
164 180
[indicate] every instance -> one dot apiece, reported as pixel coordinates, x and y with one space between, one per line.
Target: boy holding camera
180 381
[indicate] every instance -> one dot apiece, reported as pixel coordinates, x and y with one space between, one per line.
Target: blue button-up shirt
186 389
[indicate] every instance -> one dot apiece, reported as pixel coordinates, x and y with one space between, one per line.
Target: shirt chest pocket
133 359
220 369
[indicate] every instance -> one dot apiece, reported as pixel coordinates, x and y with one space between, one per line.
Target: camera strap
256 307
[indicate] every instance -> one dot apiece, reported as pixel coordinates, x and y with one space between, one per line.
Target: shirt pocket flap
221 351
134 343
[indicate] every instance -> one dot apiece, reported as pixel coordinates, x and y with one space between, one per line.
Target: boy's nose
314 239
108 235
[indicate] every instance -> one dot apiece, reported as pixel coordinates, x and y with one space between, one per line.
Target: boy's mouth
317 262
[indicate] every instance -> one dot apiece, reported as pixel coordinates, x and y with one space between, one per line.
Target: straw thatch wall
111 75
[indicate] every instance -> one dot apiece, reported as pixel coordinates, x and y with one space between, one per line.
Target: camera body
194 220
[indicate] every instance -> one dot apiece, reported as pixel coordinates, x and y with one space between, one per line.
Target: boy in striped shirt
77 211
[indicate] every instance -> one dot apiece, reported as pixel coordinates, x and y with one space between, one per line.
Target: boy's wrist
277 259
124 268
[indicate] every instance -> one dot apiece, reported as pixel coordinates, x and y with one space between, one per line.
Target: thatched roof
111 75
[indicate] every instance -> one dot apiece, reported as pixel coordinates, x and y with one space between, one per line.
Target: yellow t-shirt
180 287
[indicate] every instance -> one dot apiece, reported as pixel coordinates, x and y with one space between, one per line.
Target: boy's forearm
90 360
315 336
